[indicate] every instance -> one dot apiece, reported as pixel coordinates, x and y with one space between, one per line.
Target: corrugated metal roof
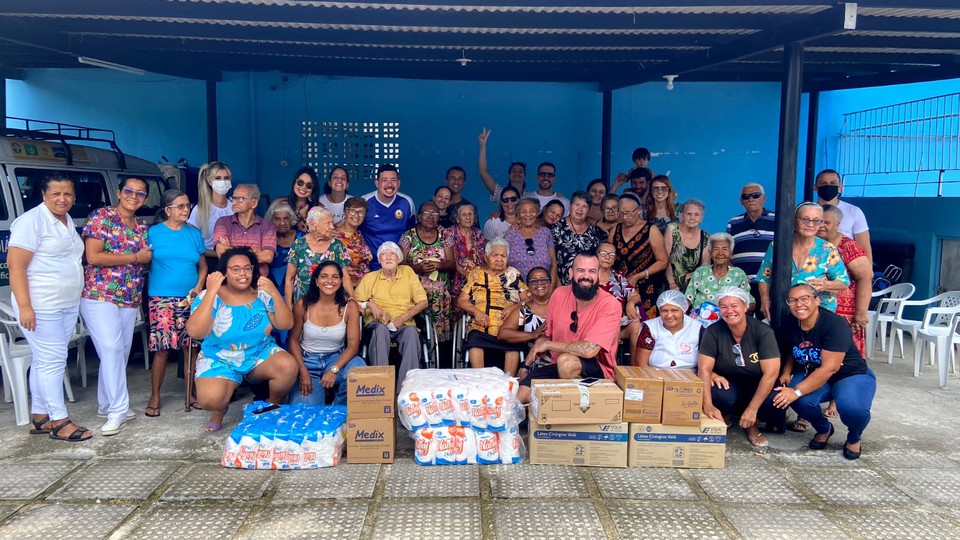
910 12
892 33
880 50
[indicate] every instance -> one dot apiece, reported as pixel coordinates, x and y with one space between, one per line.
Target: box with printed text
565 401
687 447
371 392
371 440
642 393
682 398
587 445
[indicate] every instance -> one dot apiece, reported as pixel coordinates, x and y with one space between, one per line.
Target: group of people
547 287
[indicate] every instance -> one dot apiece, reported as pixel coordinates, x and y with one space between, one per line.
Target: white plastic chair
885 313
140 326
79 340
939 330
15 358
899 324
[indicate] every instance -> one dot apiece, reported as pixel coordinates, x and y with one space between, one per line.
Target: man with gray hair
246 229
752 232
390 298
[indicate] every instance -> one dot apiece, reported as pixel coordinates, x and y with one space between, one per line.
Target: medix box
682 398
686 447
371 392
642 393
565 401
371 440
588 445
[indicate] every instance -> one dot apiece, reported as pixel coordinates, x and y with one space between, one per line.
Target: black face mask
828 193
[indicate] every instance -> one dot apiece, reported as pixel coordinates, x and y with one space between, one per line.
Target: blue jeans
319 364
853 395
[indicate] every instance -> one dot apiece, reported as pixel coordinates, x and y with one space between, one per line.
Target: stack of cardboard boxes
371 414
648 418
667 427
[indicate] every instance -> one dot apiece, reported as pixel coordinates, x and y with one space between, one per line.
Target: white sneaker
130 414
112 427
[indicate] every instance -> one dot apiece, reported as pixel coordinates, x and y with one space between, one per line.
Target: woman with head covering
319 245
739 364
822 364
672 340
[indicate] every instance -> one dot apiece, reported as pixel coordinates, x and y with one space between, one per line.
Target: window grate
360 147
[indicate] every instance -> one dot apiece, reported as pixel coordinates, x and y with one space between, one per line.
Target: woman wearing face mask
213 184
495 227
304 195
335 192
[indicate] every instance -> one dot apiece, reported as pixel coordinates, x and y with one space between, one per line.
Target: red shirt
599 323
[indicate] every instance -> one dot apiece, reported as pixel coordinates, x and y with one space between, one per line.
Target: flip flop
211 427
152 412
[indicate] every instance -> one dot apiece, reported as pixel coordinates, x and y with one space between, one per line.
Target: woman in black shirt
821 363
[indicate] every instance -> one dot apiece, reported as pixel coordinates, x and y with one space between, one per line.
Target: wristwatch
798 392
336 369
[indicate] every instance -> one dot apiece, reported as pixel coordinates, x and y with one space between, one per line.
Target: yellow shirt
395 296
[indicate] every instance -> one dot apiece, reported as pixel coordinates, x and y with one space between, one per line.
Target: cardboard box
588 445
682 398
642 393
371 392
371 440
686 447
566 401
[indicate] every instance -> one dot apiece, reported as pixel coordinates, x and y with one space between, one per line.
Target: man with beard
455 181
582 330
546 178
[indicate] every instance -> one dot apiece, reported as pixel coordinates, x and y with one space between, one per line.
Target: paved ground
160 478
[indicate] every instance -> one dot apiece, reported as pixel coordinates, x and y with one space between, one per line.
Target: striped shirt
751 240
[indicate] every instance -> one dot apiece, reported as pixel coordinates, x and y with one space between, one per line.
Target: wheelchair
429 345
461 359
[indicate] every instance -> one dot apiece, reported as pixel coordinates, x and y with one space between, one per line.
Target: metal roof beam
824 23
908 24
906 76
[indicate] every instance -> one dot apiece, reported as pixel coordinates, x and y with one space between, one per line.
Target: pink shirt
261 234
599 323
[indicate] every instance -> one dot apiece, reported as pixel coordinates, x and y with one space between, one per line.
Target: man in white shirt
546 177
829 187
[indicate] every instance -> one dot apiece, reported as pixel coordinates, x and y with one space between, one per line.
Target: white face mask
221 187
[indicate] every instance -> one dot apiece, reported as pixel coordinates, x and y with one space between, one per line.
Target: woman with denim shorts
325 338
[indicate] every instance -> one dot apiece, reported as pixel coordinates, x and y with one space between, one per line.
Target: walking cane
188 375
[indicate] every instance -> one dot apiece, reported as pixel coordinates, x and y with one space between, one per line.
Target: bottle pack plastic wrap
462 416
288 437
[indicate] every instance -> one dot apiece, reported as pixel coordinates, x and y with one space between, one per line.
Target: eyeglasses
359 213
510 199
810 221
238 270
611 209
629 212
130 192
739 353
573 317
530 248
804 299
605 253
187 206
301 183
538 281
660 188
241 200
547 174
747 196
430 214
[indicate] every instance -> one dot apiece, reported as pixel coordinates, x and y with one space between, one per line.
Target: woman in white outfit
672 340
213 183
117 250
46 278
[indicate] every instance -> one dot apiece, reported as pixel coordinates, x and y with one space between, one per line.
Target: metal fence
913 144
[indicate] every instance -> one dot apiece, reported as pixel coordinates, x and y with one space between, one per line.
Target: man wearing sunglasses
752 233
456 179
546 178
582 330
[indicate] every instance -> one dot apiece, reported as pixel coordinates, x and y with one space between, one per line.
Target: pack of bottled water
462 416
287 437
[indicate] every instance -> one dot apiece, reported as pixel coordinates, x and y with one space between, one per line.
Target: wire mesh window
359 147
907 149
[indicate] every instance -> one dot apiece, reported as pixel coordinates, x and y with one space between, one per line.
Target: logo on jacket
398 214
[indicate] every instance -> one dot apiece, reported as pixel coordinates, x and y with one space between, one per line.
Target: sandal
758 440
800 425
38 428
75 436
212 427
152 412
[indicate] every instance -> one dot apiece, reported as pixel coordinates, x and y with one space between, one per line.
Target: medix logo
375 390
368 436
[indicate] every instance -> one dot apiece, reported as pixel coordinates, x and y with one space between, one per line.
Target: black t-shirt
830 333
758 343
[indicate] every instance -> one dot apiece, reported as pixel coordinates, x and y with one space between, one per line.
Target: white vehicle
33 149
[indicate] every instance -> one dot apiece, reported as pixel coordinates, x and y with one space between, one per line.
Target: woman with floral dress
116 247
641 257
686 245
707 280
574 234
307 252
531 244
423 250
358 252
464 244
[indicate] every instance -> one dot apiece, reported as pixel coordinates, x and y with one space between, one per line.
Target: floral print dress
527 253
121 284
466 258
684 260
568 243
704 285
306 260
823 260
358 254
436 284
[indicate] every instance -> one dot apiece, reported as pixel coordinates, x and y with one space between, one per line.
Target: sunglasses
130 192
510 199
739 353
530 249
748 196
308 185
574 317
547 174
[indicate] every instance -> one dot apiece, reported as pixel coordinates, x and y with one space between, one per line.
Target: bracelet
135 258
646 274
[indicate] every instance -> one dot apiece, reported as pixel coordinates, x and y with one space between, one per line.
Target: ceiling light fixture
463 58
670 79
109 65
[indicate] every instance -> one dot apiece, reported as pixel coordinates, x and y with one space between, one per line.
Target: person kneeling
234 317
739 364
672 340
325 337
583 324
825 364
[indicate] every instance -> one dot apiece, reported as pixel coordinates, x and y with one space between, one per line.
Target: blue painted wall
711 137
